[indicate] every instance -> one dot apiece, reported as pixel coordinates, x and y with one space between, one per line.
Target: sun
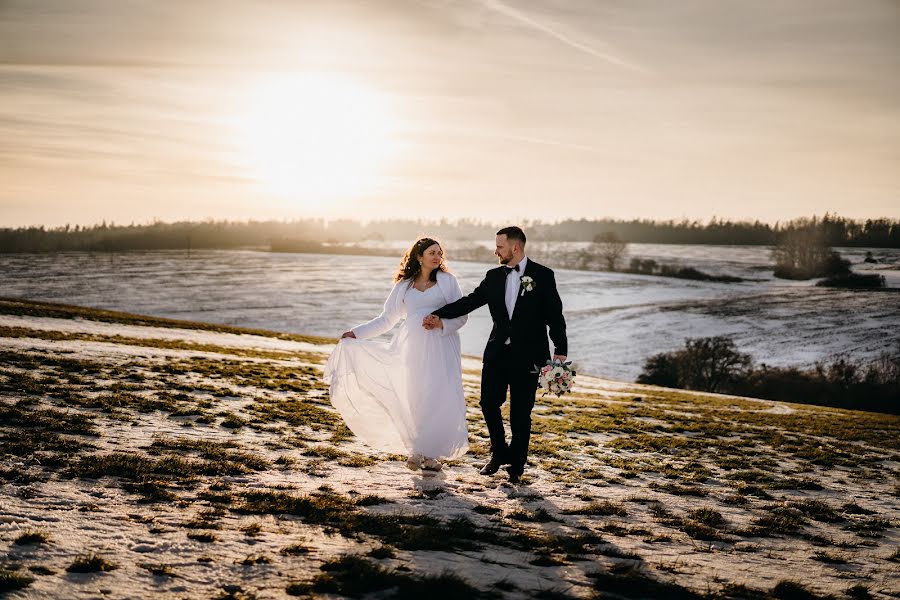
315 136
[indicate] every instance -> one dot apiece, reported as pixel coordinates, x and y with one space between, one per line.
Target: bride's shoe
430 464
414 462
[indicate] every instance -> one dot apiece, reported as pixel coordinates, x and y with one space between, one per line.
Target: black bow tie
511 269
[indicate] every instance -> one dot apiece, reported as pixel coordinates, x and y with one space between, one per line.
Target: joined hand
559 357
432 322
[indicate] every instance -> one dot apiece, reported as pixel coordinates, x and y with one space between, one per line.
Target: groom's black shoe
492 466
514 474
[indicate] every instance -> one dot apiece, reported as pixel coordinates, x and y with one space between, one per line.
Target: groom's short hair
513 233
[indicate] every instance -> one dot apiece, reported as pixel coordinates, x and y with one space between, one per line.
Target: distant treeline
836 231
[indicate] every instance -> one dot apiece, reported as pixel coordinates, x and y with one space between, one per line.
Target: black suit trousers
504 372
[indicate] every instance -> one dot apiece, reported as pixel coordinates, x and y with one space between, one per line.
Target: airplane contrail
518 15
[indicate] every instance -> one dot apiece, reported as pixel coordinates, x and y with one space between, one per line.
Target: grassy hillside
142 455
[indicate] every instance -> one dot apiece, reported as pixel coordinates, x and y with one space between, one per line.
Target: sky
132 111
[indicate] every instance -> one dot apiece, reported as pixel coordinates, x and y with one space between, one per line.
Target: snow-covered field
191 463
615 320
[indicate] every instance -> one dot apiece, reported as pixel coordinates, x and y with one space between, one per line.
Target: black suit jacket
535 312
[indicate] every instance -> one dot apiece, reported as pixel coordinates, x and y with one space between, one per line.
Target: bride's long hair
410 267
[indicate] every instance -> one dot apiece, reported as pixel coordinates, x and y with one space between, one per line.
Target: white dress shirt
513 286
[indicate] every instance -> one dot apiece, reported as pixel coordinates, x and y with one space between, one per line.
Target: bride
406 396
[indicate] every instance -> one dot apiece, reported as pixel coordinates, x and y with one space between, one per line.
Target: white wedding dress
406 396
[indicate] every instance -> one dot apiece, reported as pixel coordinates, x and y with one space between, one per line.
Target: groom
524 303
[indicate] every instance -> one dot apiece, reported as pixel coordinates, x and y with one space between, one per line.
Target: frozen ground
210 464
615 320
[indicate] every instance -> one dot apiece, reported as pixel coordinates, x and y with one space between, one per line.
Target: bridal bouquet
556 377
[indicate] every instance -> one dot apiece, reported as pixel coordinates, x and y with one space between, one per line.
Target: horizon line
446 221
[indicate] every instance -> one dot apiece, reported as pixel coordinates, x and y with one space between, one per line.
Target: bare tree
610 248
708 364
804 254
